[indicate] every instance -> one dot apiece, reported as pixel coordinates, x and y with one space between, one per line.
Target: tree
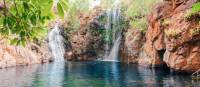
26 20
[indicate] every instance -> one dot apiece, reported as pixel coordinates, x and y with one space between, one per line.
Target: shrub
75 8
137 12
171 32
140 24
194 10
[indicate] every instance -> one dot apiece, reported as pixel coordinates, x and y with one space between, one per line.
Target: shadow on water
91 74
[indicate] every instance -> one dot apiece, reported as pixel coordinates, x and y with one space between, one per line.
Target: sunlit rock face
18 55
183 50
86 43
131 45
152 54
179 50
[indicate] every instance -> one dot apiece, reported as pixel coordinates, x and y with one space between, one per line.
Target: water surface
91 74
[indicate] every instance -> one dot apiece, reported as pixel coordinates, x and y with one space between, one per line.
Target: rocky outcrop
86 43
154 46
172 38
131 45
18 55
182 49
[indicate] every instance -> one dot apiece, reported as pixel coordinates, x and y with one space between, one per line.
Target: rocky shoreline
11 56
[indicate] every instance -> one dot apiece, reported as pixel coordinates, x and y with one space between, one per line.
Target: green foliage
108 3
194 10
137 12
26 20
193 14
72 26
140 24
60 10
115 26
75 9
106 36
62 7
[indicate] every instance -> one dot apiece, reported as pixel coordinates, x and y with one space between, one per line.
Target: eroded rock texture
18 55
131 46
86 42
172 38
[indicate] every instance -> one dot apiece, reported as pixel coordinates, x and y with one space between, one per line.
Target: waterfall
113 27
113 55
56 44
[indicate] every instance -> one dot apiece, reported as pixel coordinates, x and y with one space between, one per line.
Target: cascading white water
113 55
56 43
113 26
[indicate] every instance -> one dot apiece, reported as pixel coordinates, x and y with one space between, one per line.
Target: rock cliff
86 43
17 55
171 38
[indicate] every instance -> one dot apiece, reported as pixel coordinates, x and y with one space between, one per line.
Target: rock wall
131 45
182 50
86 43
171 39
17 55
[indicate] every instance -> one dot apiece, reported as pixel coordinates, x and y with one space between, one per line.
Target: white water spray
113 55
56 43
113 26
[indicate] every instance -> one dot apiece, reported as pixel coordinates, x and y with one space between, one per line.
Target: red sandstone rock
86 42
155 37
131 46
17 55
182 49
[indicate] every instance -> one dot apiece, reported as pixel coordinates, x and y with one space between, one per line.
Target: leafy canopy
26 20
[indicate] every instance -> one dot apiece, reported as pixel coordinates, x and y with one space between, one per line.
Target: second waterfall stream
56 43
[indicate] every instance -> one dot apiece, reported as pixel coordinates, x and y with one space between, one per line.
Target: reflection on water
91 74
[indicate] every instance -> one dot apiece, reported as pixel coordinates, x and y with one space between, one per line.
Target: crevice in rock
161 53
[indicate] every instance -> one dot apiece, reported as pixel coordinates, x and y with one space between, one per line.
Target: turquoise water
91 74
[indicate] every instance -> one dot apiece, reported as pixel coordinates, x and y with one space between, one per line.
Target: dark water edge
92 74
